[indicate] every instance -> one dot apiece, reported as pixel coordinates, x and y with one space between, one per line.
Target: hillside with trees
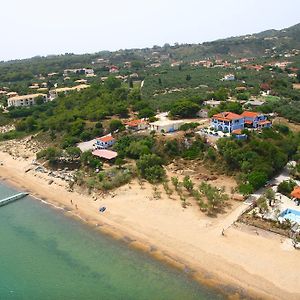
139 83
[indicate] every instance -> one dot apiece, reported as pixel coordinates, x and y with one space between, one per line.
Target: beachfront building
105 142
227 122
136 125
25 100
255 120
165 126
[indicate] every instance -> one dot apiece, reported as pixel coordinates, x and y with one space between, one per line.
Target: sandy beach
244 261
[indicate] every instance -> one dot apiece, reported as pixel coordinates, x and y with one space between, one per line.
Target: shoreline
208 268
202 277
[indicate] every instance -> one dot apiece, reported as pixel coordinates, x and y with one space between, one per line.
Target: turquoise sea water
46 255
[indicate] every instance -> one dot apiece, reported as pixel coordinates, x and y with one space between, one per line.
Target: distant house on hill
34 86
81 81
241 88
55 92
136 125
25 100
212 103
105 142
265 86
113 69
228 77
227 122
52 74
254 67
82 71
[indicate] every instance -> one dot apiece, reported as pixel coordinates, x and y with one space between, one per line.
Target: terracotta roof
227 116
265 86
296 192
248 122
293 69
264 122
250 114
237 131
135 123
105 139
107 154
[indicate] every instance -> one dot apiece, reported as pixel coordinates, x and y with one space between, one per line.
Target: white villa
25 100
105 142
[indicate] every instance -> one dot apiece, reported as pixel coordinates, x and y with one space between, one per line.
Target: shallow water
46 255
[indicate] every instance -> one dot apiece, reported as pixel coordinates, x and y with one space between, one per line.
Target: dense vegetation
259 158
77 116
151 82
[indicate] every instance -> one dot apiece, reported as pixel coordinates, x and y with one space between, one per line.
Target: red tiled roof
250 114
254 67
237 131
105 139
264 122
296 192
107 154
227 116
265 86
293 69
248 122
134 123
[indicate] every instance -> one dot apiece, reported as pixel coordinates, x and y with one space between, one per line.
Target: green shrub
150 168
286 187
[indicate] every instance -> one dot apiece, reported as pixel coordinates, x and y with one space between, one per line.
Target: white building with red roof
113 69
136 124
105 142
